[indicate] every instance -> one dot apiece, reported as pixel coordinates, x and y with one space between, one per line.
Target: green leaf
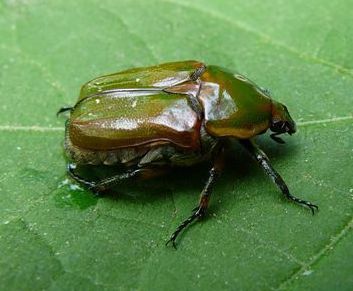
54 235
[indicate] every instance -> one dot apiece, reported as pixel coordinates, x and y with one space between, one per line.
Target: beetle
172 114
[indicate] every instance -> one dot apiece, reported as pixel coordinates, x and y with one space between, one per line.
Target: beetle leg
200 210
70 170
102 185
141 173
264 162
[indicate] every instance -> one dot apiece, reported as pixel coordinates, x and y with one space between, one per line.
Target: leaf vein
271 246
129 31
334 240
267 39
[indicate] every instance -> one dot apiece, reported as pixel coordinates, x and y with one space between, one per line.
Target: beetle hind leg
70 170
264 162
107 183
102 185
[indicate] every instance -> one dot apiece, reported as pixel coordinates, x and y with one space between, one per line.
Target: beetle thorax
233 106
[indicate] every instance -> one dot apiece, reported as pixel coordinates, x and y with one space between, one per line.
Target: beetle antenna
63 109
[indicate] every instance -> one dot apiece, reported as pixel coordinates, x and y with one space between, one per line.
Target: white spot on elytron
307 272
97 101
121 123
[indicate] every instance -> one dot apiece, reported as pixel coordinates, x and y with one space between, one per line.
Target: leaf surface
55 235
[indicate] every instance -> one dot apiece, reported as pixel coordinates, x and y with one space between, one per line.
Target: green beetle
173 114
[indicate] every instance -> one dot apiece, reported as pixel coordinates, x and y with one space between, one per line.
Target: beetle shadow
177 180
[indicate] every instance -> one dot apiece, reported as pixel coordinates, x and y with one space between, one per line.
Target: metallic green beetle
173 114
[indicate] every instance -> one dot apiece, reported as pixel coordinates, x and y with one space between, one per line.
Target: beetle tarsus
302 202
264 162
77 178
199 213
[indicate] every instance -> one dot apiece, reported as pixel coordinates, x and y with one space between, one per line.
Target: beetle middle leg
200 211
264 162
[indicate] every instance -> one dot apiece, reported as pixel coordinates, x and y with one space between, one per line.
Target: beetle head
281 122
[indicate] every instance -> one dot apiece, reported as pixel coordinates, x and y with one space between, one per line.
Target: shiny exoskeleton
173 114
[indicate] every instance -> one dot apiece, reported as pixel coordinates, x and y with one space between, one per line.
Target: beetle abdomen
150 154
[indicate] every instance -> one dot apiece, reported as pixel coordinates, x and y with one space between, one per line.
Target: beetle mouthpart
276 138
290 127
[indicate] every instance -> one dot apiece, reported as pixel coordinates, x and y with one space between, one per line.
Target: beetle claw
311 206
171 241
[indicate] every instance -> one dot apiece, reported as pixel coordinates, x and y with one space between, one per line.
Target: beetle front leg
264 162
200 210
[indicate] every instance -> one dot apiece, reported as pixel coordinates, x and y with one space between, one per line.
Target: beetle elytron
173 114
